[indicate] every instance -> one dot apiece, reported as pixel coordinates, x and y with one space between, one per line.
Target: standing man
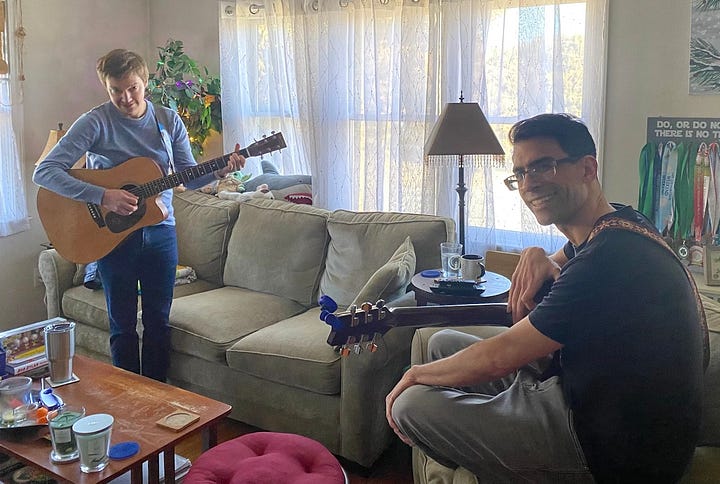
621 403
130 126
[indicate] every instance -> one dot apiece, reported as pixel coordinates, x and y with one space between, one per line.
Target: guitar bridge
96 214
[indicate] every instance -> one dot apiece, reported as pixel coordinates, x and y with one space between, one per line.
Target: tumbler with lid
60 349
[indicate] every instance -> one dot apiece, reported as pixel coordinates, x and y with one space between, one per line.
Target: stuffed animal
262 192
274 180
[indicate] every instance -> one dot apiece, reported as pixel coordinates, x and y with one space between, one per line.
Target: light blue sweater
110 138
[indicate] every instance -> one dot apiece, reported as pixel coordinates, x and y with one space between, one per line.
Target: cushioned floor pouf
267 458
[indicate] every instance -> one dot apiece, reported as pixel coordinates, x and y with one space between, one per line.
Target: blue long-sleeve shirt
109 138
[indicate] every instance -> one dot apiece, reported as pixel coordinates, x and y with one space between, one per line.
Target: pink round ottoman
267 458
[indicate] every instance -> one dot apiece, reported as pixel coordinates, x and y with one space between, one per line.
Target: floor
393 467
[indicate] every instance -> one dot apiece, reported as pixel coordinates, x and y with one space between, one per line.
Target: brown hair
120 62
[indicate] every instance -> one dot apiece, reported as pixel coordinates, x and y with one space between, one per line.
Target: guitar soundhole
118 223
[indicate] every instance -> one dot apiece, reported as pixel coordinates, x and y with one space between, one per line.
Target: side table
496 288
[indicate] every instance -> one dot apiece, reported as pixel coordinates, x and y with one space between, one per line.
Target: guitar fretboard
175 179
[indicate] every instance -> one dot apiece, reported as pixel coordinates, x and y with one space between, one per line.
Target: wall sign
692 130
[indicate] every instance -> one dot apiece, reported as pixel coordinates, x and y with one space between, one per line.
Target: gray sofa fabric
248 332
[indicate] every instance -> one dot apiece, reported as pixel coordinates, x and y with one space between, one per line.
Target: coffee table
136 403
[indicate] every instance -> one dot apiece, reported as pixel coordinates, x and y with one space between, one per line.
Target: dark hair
120 62
569 131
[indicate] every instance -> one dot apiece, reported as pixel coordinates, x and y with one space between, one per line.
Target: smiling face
127 94
556 199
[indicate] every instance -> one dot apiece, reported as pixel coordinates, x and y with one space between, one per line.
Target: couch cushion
278 248
391 280
361 242
88 306
203 225
293 352
206 325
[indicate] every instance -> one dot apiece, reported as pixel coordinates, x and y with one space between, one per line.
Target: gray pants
517 429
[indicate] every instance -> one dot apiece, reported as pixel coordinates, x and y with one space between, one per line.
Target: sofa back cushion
278 248
362 242
203 225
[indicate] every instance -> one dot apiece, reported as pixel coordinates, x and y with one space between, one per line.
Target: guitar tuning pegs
380 303
366 306
372 346
327 303
344 351
357 349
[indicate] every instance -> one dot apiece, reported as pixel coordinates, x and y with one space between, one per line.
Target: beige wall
647 76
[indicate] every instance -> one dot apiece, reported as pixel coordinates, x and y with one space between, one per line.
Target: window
13 205
356 85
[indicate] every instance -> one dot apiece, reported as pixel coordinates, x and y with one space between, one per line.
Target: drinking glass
450 253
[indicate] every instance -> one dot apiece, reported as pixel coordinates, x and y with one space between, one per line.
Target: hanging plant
183 86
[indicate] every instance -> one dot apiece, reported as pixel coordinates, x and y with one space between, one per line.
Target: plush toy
262 191
232 182
274 180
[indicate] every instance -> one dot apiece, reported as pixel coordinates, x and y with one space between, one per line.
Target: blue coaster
430 273
123 450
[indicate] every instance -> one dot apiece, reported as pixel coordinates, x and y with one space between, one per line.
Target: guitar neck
489 314
175 179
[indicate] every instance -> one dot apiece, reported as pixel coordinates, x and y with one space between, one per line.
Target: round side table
496 288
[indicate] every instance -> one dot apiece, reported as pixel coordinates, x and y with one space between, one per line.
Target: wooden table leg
136 476
209 437
153 468
169 461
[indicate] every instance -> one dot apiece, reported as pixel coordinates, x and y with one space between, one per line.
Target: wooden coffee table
136 403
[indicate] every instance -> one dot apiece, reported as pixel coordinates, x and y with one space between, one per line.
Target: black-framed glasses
542 169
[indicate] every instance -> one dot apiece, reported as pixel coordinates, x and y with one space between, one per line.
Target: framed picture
712 265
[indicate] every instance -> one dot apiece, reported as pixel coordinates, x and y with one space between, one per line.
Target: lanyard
698 192
666 208
713 209
684 191
645 196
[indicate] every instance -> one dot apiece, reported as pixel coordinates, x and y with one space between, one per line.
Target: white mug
472 267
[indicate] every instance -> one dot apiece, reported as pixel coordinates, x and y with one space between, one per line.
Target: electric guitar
84 232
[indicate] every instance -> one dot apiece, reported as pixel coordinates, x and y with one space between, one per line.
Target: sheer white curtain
356 86
13 205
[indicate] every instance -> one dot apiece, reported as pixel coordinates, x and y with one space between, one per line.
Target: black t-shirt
631 364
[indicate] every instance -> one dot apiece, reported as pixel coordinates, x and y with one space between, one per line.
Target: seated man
621 403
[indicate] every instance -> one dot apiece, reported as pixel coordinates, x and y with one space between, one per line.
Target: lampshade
462 129
53 138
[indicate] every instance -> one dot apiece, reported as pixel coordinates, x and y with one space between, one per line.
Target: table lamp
463 135
53 138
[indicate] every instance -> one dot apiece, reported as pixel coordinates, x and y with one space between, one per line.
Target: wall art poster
705 47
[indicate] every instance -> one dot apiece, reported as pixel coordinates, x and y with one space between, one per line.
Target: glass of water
450 254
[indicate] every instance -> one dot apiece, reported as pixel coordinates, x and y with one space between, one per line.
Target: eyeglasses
542 169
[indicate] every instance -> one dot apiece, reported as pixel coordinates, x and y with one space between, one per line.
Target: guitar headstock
267 144
356 329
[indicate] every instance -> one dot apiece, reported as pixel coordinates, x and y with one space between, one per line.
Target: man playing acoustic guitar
130 126
621 400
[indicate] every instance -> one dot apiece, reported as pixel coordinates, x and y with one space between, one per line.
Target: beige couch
247 332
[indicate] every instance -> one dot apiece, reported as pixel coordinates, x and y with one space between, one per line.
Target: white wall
647 76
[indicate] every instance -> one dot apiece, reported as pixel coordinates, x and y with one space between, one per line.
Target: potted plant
180 84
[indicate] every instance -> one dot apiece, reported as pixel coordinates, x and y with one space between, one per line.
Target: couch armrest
57 276
366 380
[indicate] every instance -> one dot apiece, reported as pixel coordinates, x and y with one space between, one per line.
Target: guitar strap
615 223
167 142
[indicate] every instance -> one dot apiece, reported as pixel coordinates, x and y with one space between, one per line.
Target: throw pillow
391 280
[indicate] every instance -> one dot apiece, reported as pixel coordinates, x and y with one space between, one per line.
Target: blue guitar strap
167 143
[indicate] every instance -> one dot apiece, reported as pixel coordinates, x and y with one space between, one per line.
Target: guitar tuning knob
357 349
372 346
366 306
380 303
344 351
327 303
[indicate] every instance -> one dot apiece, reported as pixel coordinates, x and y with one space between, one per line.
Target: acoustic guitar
84 232
358 328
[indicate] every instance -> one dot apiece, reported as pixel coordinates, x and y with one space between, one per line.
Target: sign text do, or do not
683 129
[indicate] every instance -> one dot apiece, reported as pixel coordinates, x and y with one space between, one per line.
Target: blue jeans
148 257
